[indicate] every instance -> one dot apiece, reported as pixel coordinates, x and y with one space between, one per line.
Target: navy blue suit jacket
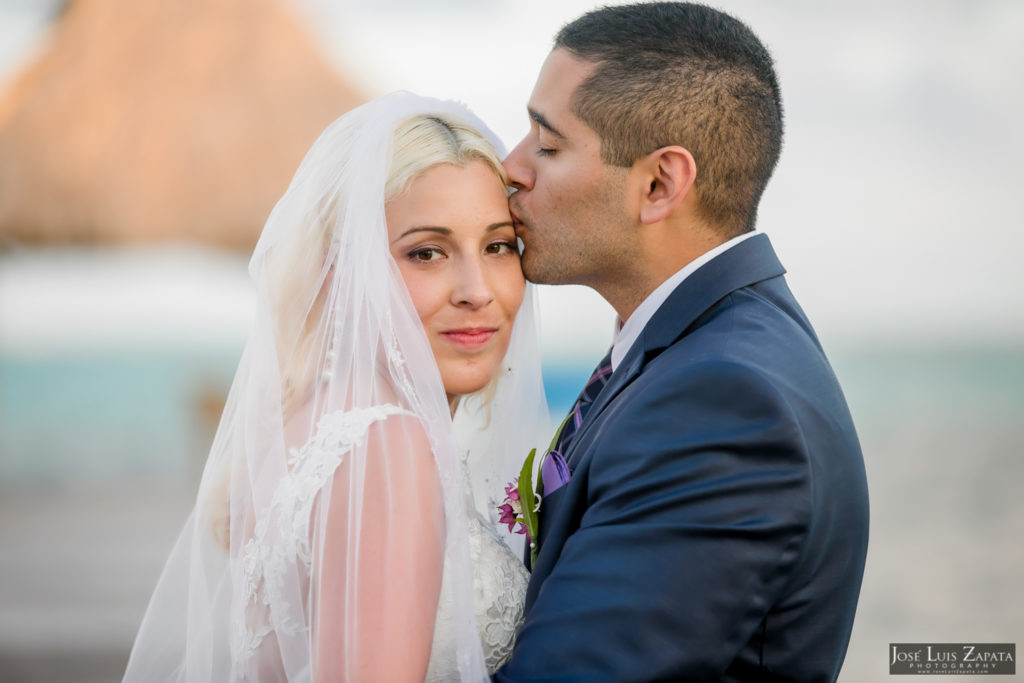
716 523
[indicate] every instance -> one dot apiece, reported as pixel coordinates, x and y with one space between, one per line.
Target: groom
715 524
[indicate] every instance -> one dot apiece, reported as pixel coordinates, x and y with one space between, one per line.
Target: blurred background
143 142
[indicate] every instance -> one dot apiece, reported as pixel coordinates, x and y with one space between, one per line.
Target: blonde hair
429 140
420 143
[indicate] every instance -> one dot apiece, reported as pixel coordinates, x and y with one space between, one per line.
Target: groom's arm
698 498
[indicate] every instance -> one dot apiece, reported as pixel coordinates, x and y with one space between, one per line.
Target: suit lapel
749 262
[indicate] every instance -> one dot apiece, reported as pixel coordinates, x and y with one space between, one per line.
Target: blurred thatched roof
153 120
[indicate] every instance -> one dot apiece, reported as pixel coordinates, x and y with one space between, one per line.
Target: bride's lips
470 337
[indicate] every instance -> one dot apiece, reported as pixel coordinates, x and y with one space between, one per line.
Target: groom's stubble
580 240
570 207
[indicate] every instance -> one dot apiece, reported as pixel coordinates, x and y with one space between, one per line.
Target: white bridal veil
335 497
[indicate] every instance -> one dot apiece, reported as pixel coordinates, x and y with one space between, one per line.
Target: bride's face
451 234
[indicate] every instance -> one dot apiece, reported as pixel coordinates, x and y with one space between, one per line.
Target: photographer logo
953 658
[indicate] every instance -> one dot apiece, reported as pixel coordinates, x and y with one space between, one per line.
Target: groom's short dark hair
673 73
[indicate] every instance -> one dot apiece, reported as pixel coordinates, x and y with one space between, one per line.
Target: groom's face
569 206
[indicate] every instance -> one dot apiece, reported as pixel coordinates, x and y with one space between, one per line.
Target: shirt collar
628 332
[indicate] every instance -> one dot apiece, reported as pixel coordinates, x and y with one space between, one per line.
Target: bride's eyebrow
425 228
447 231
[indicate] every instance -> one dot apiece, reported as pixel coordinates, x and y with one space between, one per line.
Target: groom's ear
667 176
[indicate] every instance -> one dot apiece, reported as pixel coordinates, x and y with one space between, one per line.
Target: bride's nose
472 288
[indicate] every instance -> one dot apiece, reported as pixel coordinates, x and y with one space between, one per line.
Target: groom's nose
520 172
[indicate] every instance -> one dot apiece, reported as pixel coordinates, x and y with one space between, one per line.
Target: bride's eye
426 254
502 248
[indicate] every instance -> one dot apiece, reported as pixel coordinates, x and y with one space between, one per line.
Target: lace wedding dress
499 577
499 590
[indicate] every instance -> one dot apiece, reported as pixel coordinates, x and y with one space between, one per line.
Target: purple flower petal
508 516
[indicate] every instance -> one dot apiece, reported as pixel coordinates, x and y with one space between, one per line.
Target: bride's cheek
421 292
516 292
511 285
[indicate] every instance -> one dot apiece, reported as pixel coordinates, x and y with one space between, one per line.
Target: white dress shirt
629 331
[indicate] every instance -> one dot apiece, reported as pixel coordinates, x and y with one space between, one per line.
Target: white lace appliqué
499 582
281 537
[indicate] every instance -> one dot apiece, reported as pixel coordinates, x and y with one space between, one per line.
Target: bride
344 528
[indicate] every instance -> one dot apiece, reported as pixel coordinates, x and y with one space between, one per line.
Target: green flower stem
530 496
528 502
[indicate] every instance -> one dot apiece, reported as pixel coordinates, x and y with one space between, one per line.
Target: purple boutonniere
512 509
521 507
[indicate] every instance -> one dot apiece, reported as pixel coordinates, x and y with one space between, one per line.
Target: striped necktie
586 398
